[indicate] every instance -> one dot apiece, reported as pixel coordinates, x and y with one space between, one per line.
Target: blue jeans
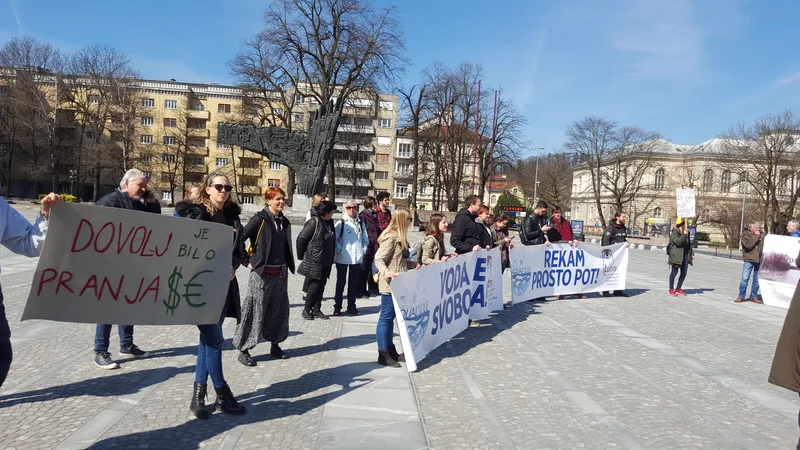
209 353
103 333
351 278
683 268
749 268
385 329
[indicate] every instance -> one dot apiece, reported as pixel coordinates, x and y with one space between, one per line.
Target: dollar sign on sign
174 296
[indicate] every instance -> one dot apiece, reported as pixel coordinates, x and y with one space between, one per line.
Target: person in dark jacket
535 228
369 218
500 237
132 194
483 224
680 255
560 230
466 235
213 203
752 245
265 310
315 247
616 233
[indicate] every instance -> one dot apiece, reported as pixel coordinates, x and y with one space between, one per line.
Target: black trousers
5 343
346 274
365 281
315 289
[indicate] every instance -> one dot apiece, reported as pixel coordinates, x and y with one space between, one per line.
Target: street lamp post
536 177
744 196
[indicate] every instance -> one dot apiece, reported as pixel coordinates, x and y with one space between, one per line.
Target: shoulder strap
341 230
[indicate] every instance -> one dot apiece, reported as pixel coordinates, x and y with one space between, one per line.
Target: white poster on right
778 273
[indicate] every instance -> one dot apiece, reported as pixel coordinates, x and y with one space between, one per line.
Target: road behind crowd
644 372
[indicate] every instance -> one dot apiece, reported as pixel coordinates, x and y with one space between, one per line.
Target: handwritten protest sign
686 202
560 269
778 275
107 265
436 302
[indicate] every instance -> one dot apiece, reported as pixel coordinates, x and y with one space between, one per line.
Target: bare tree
617 157
555 178
330 48
767 150
415 104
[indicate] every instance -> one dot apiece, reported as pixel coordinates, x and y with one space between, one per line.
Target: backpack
669 246
523 237
417 250
252 247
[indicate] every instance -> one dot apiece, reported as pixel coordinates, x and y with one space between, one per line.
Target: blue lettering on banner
564 258
457 296
563 277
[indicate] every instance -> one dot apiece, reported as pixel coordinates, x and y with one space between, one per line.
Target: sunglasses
349 207
221 187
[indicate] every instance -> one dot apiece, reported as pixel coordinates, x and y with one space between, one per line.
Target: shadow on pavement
269 404
699 291
331 345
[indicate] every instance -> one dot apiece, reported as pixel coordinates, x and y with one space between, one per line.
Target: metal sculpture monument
306 153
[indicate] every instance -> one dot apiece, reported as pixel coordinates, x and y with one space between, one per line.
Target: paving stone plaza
644 372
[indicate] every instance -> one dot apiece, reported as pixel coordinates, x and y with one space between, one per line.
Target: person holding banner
22 238
467 235
433 249
482 220
213 203
265 311
680 255
132 194
392 258
315 247
534 228
616 233
500 237
561 232
752 246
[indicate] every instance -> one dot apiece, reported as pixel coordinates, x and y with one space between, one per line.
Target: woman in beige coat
392 258
433 249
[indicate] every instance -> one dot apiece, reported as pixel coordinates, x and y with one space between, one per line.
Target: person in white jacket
351 246
22 238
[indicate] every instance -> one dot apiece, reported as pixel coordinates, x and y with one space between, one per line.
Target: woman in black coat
214 204
315 247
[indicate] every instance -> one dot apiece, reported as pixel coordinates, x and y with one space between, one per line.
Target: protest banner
436 302
115 266
778 273
686 202
560 269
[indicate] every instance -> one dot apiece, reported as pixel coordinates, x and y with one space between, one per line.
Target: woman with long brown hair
265 312
433 249
392 258
213 203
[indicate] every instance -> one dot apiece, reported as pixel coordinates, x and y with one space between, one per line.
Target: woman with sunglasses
392 258
213 203
265 311
351 246
315 247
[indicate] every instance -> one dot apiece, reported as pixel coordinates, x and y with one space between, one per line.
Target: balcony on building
344 181
403 174
198 114
196 132
363 129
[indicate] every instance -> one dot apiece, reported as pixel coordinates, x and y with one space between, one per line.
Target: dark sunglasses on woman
220 187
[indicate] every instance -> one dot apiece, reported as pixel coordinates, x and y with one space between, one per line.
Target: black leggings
683 268
5 360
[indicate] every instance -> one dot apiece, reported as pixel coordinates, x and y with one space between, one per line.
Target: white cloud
13 6
777 86
659 39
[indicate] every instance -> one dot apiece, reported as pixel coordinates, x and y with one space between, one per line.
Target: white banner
686 202
109 265
778 273
560 269
436 302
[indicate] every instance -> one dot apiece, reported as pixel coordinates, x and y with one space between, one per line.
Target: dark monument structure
306 153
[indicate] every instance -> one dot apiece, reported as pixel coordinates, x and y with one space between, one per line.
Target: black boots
395 356
276 351
198 405
385 359
318 314
307 314
309 303
226 402
246 359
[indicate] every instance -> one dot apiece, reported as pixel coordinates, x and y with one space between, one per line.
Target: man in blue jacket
131 194
19 236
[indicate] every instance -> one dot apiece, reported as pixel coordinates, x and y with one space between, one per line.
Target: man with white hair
131 194
792 228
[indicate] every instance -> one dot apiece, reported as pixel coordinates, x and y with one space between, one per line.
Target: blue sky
687 69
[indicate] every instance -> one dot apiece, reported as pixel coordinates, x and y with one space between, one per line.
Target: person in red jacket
561 232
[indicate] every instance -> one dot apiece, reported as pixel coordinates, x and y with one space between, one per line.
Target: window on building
423 188
725 181
743 188
384 140
381 158
146 158
147 174
277 112
381 175
298 98
166 158
708 180
386 106
222 146
401 191
165 177
222 162
659 181
273 182
298 117
169 140
657 213
248 163
199 107
385 123
274 166
90 135
199 125
247 199
248 181
193 160
146 139
171 104
147 121
224 108
170 123
148 102
195 177
166 196
404 150
94 99
197 143
402 168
